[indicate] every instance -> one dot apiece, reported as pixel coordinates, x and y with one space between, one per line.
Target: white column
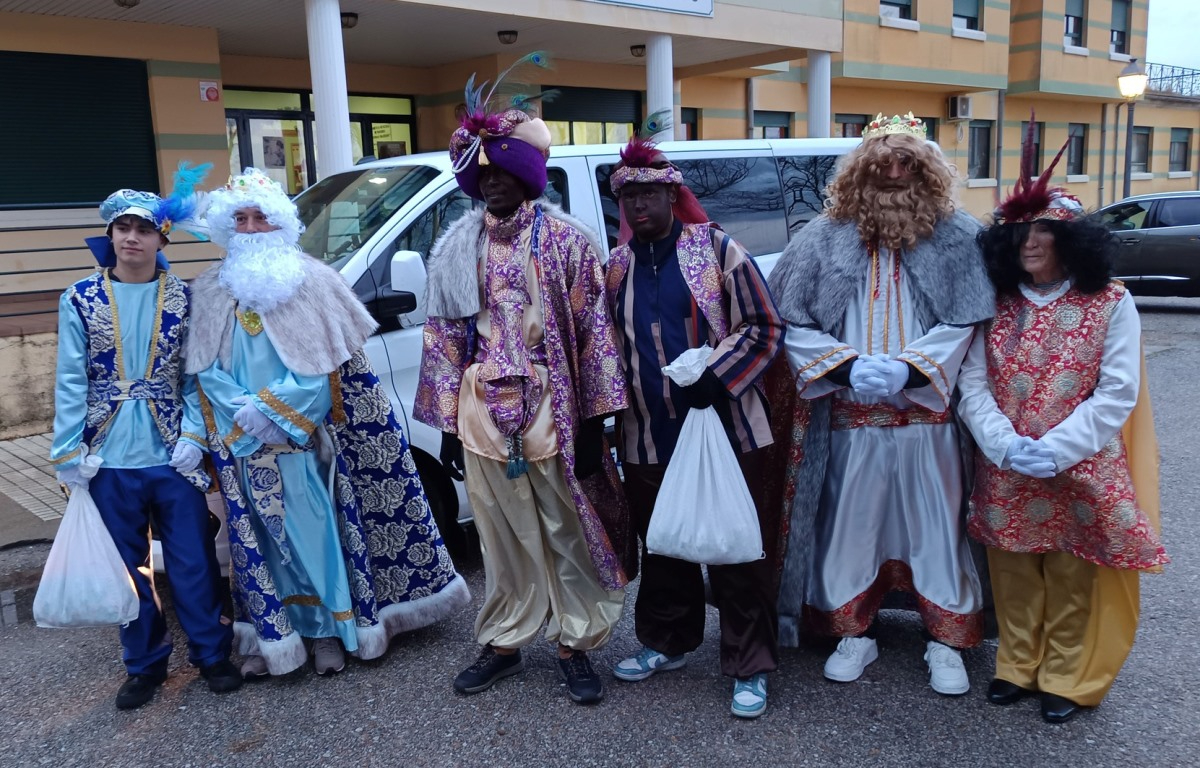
331 104
820 87
660 79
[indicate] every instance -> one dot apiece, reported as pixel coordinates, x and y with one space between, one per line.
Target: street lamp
1132 83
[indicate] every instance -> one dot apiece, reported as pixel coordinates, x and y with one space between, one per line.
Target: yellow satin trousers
1066 625
535 559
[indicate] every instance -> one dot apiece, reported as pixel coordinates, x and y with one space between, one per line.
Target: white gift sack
85 583
704 512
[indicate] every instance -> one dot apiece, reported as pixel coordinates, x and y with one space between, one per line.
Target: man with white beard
331 537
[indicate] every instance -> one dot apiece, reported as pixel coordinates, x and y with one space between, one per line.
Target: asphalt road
57 687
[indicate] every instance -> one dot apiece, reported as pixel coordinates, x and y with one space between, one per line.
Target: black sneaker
137 690
222 676
583 684
487 669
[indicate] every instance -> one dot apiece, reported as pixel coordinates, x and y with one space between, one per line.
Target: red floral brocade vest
1043 362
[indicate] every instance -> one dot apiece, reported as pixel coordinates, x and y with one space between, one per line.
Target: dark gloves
451 455
706 392
589 448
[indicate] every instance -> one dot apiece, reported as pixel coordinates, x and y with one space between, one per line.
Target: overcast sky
1172 33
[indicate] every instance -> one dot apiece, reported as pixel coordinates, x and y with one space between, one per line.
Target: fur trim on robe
314 332
453 285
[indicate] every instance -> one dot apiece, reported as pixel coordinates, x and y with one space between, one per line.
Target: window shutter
76 129
1120 15
1075 8
968 8
594 105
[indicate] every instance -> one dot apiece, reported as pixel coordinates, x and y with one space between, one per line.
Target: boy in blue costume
120 394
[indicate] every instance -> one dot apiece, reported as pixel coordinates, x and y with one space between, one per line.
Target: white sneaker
947 675
852 656
328 656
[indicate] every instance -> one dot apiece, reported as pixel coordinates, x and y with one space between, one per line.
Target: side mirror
408 275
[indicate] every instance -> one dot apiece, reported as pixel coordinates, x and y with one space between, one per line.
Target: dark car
1160 242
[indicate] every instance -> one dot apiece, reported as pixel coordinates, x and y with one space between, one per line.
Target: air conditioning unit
958 108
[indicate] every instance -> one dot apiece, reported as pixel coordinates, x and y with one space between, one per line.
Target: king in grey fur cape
821 269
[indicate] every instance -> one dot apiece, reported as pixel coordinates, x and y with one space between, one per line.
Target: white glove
186 457
257 424
864 378
1031 458
71 477
894 373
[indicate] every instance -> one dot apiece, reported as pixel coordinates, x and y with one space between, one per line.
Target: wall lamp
637 51
349 20
507 36
126 3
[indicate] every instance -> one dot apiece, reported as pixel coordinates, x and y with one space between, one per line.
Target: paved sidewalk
31 503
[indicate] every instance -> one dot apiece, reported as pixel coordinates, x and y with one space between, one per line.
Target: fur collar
314 332
452 289
824 265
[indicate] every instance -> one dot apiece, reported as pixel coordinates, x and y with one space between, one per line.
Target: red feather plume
1030 196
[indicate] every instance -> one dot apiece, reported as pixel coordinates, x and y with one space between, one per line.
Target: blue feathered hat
176 211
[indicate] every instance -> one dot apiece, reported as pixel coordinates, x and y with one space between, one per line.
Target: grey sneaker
328 657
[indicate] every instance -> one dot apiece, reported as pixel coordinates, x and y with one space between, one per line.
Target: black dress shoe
1058 709
137 690
222 676
1003 693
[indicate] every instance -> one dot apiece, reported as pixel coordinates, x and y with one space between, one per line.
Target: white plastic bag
85 583
704 512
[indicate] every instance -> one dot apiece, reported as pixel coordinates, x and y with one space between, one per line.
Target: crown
896 124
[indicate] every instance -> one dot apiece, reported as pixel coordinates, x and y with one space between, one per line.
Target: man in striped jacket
678 282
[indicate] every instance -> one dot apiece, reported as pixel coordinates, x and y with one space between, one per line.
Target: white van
376 223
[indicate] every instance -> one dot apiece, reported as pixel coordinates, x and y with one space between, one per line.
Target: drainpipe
1103 140
1000 96
750 89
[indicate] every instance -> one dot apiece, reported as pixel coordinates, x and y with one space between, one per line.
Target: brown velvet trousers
669 613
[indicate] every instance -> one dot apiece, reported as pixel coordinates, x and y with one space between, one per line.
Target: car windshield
341 213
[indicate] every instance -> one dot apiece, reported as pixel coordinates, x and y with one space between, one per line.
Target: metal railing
1168 80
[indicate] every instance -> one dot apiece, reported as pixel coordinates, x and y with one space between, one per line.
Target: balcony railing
1167 80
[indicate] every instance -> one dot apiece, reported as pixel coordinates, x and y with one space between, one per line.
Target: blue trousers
126 499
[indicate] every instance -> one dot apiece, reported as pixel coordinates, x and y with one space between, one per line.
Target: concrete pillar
660 79
820 88
331 104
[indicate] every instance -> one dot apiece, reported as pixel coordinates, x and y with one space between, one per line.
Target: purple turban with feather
512 140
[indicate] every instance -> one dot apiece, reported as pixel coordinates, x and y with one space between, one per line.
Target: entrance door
277 147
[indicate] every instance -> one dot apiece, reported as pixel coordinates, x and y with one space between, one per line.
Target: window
1125 216
1179 212
689 121
771 125
742 194
1036 151
804 181
592 115
850 126
1181 149
1073 24
75 128
1076 149
1141 149
1118 41
979 155
931 127
966 14
895 9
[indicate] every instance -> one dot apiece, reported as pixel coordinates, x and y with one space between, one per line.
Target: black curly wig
1085 248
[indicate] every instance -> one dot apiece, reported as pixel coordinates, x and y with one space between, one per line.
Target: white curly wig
253 189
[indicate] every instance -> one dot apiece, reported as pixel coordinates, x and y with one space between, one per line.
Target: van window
421 234
1179 212
804 182
343 211
742 194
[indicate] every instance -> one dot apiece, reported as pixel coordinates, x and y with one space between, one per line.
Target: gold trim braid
286 411
335 393
66 458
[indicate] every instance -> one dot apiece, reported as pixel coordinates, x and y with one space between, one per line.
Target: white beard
262 269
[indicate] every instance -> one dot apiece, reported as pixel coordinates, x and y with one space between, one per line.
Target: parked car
1160 242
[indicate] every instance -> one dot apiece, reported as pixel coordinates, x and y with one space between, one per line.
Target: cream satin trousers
536 560
1066 625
